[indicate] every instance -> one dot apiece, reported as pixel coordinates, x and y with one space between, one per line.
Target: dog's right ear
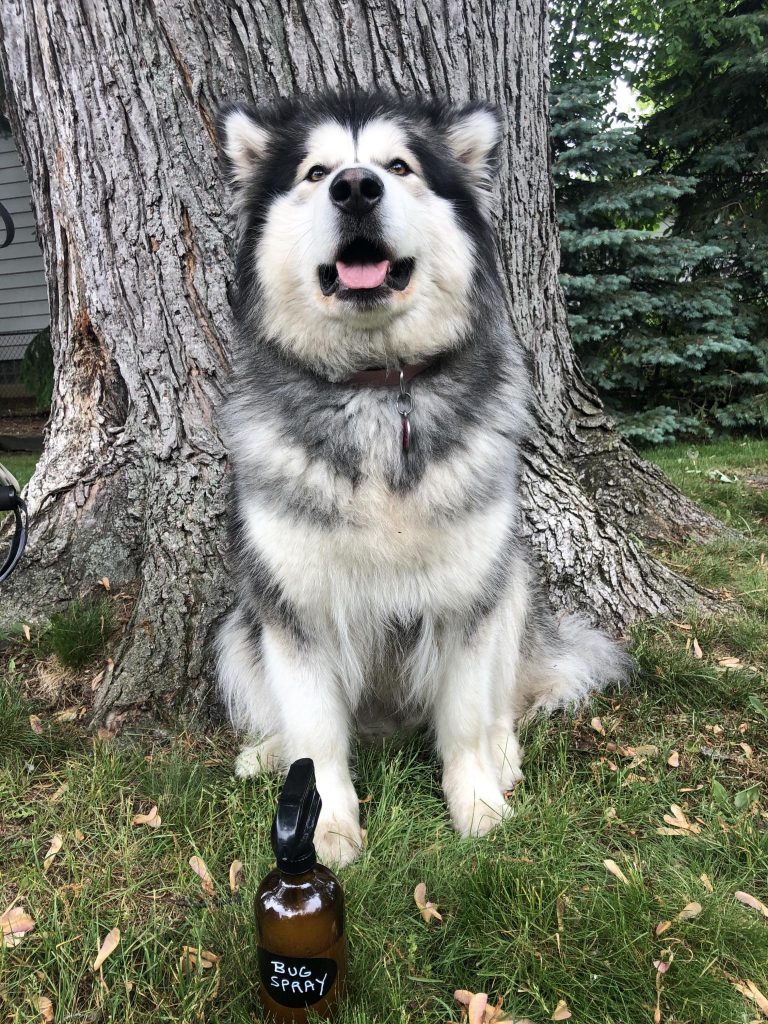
243 139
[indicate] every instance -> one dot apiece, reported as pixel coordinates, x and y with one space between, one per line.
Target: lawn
531 915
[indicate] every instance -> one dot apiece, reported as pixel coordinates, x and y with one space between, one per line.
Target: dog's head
363 223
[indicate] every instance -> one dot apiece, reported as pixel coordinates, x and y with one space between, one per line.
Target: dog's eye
316 173
399 167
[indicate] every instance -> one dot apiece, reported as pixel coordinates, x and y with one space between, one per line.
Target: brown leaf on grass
697 651
191 956
15 923
678 820
27 632
44 1008
55 797
706 882
674 759
56 844
491 1014
107 948
615 870
476 1008
729 662
598 726
751 901
36 725
663 926
427 910
151 818
689 911
198 866
747 750
235 875
67 715
751 991
561 1011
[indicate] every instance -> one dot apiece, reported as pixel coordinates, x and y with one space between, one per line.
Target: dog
374 423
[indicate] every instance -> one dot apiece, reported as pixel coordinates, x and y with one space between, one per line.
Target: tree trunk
113 108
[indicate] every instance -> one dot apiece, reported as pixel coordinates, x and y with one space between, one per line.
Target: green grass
530 913
21 464
78 634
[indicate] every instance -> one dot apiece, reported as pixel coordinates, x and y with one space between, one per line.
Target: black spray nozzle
298 808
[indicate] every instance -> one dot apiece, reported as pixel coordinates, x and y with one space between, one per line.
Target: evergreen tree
708 81
655 329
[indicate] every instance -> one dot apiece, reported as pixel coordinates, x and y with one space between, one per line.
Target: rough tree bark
113 107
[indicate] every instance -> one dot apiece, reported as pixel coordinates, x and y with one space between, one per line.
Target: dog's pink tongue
362 275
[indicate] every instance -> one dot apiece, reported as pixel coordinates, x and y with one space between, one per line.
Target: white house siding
23 294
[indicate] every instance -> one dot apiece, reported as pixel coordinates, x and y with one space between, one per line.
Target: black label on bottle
296 980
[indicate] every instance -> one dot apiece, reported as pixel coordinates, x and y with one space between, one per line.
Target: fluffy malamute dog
374 424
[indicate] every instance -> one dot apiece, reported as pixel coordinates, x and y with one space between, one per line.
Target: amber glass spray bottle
300 912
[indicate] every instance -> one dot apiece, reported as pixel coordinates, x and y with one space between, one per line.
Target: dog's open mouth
363 269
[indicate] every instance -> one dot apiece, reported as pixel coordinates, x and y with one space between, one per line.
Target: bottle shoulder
314 892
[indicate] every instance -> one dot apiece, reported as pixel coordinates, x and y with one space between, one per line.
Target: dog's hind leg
243 689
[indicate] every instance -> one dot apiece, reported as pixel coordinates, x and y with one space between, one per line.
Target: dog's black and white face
362 220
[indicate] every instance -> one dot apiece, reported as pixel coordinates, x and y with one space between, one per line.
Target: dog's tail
566 660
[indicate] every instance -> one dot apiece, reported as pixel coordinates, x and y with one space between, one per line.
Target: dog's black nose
356 190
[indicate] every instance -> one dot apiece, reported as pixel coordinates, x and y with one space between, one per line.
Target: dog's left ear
244 140
473 135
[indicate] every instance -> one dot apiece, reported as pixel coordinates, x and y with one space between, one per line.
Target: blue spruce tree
656 325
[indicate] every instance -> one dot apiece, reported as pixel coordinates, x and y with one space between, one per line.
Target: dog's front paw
476 803
338 840
255 758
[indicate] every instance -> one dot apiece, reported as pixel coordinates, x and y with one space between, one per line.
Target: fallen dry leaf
191 956
751 901
471 1002
59 793
674 759
476 1008
198 866
663 926
729 662
104 581
151 818
689 911
598 726
15 923
750 989
44 1008
235 875
108 947
678 820
747 750
427 910
67 715
706 882
615 870
56 844
561 1011
36 725
697 651
27 632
